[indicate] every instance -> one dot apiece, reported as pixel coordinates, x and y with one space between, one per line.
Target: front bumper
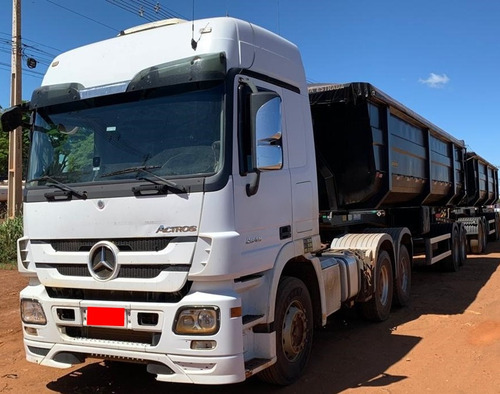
168 368
66 339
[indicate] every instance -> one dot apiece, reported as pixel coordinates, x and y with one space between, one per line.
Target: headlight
32 312
197 321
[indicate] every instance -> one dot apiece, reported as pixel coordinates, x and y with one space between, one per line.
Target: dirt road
446 341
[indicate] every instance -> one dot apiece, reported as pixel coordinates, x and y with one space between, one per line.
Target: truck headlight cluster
197 321
32 312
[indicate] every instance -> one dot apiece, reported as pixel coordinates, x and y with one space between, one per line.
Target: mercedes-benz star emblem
102 262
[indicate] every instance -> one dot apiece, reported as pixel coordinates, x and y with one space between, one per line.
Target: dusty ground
446 341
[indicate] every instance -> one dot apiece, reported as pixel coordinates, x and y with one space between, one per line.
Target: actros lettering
176 229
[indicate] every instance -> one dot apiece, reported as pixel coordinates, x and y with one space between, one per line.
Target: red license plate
102 316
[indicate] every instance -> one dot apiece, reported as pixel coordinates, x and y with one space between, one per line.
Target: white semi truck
172 215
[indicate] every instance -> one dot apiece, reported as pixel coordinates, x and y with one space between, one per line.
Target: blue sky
439 58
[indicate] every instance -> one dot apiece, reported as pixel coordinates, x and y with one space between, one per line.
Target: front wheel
294 332
378 308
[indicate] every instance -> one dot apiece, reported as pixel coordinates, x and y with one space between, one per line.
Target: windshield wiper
162 186
68 190
130 170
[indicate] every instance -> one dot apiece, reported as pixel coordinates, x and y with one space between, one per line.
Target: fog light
31 331
203 345
32 312
197 321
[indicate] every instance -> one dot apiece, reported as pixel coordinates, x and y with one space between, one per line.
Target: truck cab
171 181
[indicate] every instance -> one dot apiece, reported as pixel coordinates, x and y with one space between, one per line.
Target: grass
8 266
10 231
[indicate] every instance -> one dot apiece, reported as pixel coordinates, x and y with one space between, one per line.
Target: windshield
172 134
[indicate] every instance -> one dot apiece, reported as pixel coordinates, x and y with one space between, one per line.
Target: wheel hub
294 333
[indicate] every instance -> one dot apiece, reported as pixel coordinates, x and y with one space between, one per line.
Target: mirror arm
252 189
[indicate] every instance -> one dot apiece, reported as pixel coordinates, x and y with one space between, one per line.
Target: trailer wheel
402 283
476 244
452 262
378 308
484 239
294 332
497 226
463 245
491 237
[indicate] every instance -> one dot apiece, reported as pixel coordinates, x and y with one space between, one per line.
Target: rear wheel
294 332
378 308
476 244
402 283
463 245
493 236
484 239
497 226
452 262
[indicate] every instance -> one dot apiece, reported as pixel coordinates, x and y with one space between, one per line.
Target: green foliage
4 154
83 152
61 151
10 231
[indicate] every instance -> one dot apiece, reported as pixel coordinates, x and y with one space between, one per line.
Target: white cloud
435 80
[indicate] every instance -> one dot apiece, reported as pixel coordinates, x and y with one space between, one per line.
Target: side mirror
265 126
265 130
12 117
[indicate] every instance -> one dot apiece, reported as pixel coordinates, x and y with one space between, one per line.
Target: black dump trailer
476 209
381 165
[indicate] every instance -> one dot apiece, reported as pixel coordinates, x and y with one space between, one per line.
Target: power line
145 9
149 10
40 51
27 39
26 52
83 16
27 70
130 8
43 45
159 9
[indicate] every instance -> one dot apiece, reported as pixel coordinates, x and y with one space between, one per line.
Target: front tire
294 332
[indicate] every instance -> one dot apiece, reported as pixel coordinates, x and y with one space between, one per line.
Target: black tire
378 308
485 234
476 244
293 320
463 245
402 284
491 237
497 226
452 262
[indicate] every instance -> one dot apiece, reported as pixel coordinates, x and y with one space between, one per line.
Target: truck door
263 202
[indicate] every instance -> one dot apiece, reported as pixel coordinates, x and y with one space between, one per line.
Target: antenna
194 43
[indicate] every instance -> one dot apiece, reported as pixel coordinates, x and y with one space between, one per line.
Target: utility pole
14 197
